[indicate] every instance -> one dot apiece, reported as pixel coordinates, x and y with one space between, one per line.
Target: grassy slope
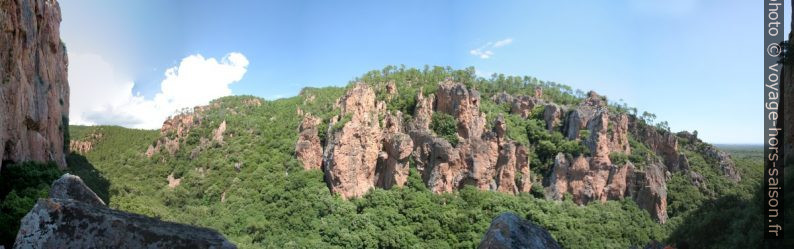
272 202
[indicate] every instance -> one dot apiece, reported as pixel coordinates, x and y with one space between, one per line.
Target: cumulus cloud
486 51
100 96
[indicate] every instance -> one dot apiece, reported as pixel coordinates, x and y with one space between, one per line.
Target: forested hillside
232 166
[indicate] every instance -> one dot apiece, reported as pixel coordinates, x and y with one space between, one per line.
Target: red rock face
362 155
34 90
463 104
308 149
619 137
441 165
649 190
598 142
522 163
352 153
593 181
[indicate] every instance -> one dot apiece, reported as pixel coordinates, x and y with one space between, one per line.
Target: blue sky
695 63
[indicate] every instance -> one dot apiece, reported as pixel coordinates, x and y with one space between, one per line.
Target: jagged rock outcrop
619 134
649 191
74 217
598 142
589 181
663 143
423 114
308 149
483 158
393 167
502 98
362 153
351 155
440 164
522 165
523 105
520 105
463 104
552 114
710 153
81 147
582 114
175 129
34 88
84 145
508 231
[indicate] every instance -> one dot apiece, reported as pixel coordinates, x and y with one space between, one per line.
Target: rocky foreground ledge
75 217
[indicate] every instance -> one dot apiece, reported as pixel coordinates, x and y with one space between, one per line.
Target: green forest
251 188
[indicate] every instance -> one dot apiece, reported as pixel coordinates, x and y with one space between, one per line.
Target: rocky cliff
369 146
74 217
34 92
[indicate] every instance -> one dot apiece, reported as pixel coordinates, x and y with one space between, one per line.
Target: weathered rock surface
509 231
579 117
75 217
365 153
65 223
308 149
594 181
440 164
552 114
663 143
34 91
393 167
522 105
352 153
463 104
619 135
72 187
649 190
598 142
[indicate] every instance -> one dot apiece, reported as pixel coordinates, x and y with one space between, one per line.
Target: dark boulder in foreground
72 187
75 220
510 231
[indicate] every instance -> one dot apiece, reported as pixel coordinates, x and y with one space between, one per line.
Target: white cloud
486 51
99 96
503 43
482 54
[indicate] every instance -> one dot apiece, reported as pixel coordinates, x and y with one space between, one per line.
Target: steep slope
34 92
